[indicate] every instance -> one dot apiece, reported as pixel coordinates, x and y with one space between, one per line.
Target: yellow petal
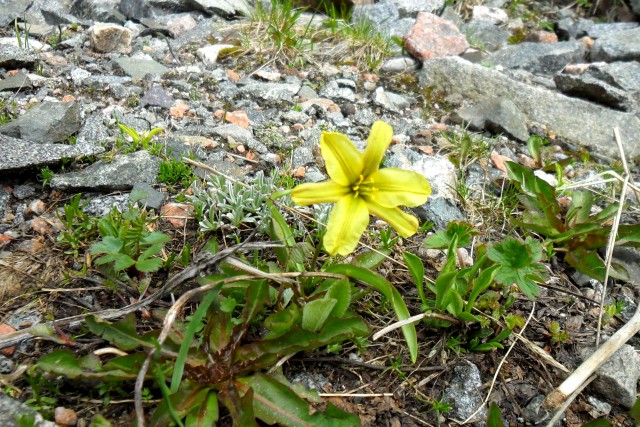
320 192
377 143
347 222
397 187
406 225
342 159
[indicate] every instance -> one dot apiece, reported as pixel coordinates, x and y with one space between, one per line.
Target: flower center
364 188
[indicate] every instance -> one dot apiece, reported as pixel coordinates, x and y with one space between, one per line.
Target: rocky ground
465 85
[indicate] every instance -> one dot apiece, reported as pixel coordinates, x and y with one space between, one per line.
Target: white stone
209 54
494 15
110 38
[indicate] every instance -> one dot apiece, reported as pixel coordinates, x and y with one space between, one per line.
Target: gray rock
334 91
497 115
464 392
629 258
138 68
410 8
635 5
120 174
271 91
618 46
6 365
56 13
46 122
224 8
602 29
101 206
22 192
544 58
382 15
591 86
157 96
17 154
11 409
148 196
18 81
105 82
484 35
11 10
110 38
535 412
93 131
391 101
600 409
399 65
576 120
135 9
301 156
307 92
97 12
618 377
440 211
15 57
239 134
4 196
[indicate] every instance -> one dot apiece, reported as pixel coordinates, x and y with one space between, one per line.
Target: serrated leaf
316 312
108 245
519 264
275 403
392 295
154 238
122 261
149 265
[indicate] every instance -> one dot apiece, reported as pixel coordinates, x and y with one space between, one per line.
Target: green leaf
416 268
122 261
371 259
187 399
635 411
587 262
61 362
155 238
282 321
494 418
598 423
149 265
316 312
240 407
519 264
108 245
193 326
281 232
275 403
99 421
122 334
442 239
484 280
340 290
206 414
446 292
391 293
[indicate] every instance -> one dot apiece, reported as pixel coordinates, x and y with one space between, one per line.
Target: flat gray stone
148 196
157 96
11 10
464 392
618 377
589 87
17 154
382 15
46 122
15 57
484 35
618 46
10 409
138 68
271 91
120 174
391 101
575 120
543 58
15 82
497 115
410 8
224 8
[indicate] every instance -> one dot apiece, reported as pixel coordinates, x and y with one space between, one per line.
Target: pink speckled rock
433 37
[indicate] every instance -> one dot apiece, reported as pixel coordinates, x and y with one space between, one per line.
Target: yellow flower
358 187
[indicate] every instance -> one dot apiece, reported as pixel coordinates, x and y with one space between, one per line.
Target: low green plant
485 286
126 244
174 171
557 335
575 232
139 141
23 40
79 227
225 353
612 310
45 175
